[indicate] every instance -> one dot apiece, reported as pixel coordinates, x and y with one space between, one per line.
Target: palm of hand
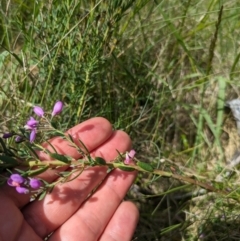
69 212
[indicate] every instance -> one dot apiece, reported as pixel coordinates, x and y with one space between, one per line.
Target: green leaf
145 166
64 174
50 188
127 169
37 171
50 144
70 137
43 194
85 148
59 157
100 161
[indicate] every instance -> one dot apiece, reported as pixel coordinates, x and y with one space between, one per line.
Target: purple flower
35 183
22 185
15 180
22 190
31 124
57 109
33 135
7 135
129 157
38 111
18 139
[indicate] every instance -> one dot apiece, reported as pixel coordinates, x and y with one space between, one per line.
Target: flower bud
57 109
32 135
7 135
35 183
38 111
19 139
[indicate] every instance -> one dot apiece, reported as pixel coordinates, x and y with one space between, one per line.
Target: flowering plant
22 171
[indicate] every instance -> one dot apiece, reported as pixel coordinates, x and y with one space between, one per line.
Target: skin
69 212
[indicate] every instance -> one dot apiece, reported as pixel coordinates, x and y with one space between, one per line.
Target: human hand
69 212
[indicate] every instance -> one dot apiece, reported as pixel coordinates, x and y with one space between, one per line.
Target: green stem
49 164
175 176
112 165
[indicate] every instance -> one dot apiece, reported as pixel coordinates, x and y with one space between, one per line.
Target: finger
12 224
123 223
48 214
25 233
92 133
90 220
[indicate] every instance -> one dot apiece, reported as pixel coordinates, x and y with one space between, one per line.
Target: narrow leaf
37 171
59 157
43 194
145 166
127 169
100 161
70 137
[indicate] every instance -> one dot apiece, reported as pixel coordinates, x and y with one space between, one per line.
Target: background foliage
160 70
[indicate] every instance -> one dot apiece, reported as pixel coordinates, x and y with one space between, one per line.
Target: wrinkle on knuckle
93 224
114 192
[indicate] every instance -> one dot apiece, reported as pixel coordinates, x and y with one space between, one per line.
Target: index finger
92 133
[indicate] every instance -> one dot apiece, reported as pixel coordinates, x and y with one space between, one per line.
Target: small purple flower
22 190
35 183
31 124
7 135
15 180
129 157
33 135
22 185
18 139
38 111
57 109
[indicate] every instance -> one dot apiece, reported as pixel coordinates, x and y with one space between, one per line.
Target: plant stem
112 165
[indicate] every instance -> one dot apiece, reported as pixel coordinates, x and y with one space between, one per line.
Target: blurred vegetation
160 70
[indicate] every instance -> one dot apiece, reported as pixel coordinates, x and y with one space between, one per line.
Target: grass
160 70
